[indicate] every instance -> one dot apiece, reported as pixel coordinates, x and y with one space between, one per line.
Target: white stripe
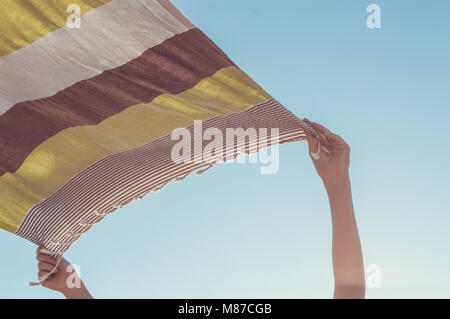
110 36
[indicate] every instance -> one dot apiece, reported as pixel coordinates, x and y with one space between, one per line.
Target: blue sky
234 233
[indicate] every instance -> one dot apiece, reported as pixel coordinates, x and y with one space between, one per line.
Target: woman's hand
64 279
334 161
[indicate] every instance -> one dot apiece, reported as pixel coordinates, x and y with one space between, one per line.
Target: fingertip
306 126
40 257
307 134
316 125
46 258
38 250
322 129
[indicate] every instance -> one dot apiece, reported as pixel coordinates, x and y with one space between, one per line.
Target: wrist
80 292
69 293
336 181
77 293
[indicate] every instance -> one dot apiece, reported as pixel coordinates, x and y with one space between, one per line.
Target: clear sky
234 233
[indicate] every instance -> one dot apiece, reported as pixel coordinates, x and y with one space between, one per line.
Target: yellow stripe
25 21
59 158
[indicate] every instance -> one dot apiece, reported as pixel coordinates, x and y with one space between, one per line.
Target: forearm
348 264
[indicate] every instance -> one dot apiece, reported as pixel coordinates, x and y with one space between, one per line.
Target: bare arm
65 280
332 166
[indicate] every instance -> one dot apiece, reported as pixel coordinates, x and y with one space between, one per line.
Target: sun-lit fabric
86 114
24 21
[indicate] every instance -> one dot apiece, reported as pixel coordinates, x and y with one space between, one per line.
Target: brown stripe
172 67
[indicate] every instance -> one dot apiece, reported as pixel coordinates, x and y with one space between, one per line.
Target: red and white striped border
117 179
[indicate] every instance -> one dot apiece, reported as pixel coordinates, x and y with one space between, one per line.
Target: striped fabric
86 114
